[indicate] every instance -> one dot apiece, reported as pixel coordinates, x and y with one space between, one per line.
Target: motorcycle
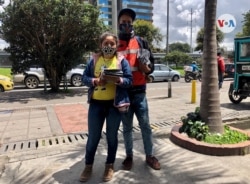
192 76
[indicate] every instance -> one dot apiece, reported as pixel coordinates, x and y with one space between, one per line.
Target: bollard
193 95
169 89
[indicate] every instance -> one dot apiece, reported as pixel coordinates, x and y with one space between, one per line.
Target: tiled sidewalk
73 118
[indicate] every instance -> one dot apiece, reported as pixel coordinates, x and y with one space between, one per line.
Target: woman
107 97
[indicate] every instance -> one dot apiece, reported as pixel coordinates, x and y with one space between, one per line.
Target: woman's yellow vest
106 92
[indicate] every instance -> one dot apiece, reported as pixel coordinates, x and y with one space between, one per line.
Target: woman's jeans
139 107
97 114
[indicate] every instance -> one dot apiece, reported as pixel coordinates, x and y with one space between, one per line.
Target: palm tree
210 97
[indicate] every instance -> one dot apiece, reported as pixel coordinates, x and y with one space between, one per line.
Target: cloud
184 12
3 44
180 19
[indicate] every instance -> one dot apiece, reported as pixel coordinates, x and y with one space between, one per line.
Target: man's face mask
126 28
108 51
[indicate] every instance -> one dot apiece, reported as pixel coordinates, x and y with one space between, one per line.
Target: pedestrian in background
129 46
221 69
106 97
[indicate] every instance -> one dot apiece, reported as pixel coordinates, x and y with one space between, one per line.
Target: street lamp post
167 50
167 35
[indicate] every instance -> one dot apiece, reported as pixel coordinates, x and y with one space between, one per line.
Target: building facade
143 9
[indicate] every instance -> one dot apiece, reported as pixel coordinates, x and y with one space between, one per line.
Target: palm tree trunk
210 96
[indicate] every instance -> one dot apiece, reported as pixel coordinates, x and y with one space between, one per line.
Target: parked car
164 73
229 70
35 76
6 83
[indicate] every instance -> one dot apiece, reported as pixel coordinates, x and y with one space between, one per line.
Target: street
21 97
36 149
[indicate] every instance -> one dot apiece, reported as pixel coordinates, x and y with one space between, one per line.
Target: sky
180 19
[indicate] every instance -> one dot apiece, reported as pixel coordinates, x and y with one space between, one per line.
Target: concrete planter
242 148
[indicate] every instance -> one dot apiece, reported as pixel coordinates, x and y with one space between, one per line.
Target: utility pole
114 16
167 35
191 31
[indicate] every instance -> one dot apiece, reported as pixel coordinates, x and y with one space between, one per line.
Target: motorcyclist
195 68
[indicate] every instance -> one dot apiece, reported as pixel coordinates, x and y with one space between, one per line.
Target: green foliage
246 25
200 38
228 137
147 30
193 126
181 47
51 33
178 58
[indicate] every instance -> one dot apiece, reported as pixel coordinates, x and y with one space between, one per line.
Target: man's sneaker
108 173
86 173
153 162
127 163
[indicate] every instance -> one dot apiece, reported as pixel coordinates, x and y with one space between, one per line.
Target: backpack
144 45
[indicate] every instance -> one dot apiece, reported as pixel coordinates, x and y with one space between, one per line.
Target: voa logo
226 23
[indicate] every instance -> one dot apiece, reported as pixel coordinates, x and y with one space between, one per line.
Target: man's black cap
127 11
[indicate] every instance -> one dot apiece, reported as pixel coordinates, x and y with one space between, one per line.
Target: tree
210 96
52 33
182 47
178 58
200 38
147 30
246 25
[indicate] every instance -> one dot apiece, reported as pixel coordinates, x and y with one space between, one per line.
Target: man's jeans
220 78
96 117
139 107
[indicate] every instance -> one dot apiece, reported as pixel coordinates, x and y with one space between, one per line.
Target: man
129 46
221 69
195 69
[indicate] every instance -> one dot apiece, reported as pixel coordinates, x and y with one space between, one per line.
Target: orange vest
130 51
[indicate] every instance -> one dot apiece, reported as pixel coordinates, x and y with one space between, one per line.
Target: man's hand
144 68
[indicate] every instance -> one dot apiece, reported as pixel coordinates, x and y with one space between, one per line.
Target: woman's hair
106 34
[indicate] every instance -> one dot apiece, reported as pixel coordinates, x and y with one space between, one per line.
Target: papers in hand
113 72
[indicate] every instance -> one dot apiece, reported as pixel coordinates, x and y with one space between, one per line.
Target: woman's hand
110 78
99 81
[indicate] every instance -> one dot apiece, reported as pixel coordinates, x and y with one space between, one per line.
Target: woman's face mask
109 46
126 28
108 51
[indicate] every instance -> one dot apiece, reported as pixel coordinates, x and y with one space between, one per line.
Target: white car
164 73
35 76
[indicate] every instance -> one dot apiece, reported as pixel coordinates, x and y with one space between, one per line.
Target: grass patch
6 72
182 73
228 137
